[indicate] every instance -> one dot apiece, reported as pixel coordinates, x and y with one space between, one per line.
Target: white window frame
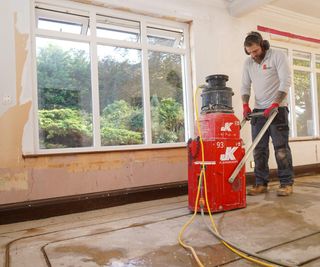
291 47
93 41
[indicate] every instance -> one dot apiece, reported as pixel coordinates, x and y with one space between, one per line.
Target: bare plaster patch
12 123
13 181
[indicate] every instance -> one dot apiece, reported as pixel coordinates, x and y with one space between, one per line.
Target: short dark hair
253 38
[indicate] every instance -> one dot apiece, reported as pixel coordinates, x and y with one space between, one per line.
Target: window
304 93
109 80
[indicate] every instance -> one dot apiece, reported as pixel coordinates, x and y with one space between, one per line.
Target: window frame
94 41
313 50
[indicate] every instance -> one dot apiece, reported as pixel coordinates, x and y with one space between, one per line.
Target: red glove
270 109
246 110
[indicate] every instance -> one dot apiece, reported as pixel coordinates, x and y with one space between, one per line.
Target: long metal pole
253 145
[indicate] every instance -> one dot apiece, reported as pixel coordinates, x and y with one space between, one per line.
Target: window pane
119 29
120 89
62 22
166 97
318 61
64 93
302 86
171 38
301 59
284 50
54 25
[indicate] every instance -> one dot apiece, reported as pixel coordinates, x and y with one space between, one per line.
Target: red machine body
222 152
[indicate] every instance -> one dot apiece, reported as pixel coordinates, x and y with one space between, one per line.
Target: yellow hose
184 227
203 174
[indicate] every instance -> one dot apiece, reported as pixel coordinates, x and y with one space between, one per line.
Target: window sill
90 150
303 139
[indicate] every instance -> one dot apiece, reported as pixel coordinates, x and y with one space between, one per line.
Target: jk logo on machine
229 154
226 127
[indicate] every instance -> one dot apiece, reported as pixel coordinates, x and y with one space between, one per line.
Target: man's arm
284 73
280 97
245 99
276 103
245 83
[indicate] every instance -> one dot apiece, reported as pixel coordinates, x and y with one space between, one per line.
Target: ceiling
309 8
306 7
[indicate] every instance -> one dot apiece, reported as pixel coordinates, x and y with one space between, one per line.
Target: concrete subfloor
146 234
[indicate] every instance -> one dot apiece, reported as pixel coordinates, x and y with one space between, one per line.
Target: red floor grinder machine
223 150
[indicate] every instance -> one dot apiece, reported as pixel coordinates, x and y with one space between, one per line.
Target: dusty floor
145 234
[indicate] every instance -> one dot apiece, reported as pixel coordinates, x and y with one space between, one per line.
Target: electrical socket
6 100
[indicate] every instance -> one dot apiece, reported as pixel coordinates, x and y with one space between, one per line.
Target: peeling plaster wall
216 46
15 110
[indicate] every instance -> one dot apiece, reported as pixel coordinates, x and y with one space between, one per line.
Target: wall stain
13 180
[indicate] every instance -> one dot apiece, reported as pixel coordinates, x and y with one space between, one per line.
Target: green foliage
161 135
65 108
165 75
171 114
112 136
301 62
167 121
64 128
303 98
63 78
136 121
121 124
119 80
117 114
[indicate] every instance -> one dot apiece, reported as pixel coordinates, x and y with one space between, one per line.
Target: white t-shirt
267 78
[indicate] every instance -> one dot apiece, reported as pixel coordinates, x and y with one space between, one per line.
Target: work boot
257 189
285 190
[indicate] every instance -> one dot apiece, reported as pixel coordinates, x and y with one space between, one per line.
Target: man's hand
246 111
270 110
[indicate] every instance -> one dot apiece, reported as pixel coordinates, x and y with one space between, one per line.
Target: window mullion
166 49
61 35
146 85
187 90
35 105
292 98
94 82
314 93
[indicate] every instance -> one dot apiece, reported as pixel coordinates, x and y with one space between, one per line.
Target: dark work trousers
279 132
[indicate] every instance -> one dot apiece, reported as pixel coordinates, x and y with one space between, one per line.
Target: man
267 70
